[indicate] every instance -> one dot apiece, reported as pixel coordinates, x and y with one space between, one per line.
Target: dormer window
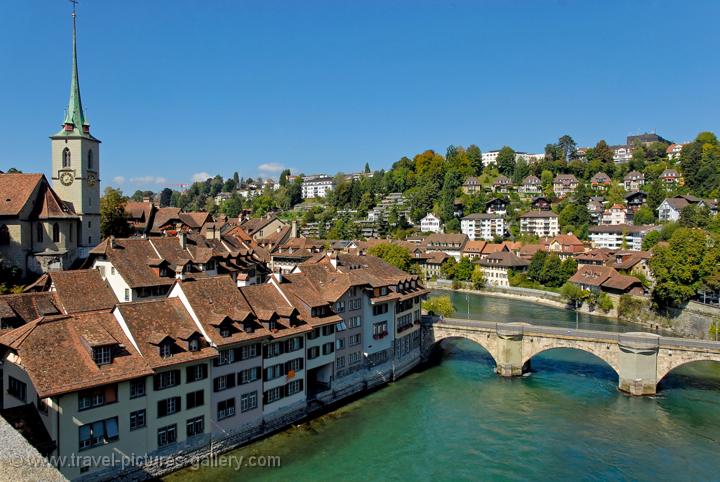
194 344
166 350
248 328
102 355
225 331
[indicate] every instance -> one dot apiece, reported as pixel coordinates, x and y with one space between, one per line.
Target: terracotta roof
164 216
620 282
130 258
442 238
15 192
304 296
82 290
591 275
216 300
159 319
504 259
25 307
54 352
474 246
268 303
195 219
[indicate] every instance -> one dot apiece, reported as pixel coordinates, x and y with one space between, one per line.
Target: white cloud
200 177
270 167
118 180
148 180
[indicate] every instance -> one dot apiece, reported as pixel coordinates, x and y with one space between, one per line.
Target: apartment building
483 226
564 184
540 223
619 236
431 224
316 186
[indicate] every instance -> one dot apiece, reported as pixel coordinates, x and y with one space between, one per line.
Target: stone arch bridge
640 359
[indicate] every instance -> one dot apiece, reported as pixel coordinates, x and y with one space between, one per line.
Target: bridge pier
509 359
637 360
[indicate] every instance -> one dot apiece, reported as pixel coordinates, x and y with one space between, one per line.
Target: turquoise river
457 420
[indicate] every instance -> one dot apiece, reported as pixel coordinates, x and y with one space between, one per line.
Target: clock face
66 178
92 180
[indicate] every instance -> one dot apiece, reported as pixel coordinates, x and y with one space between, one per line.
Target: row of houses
208 359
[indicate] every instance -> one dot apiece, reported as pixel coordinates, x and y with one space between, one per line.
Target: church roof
17 190
75 123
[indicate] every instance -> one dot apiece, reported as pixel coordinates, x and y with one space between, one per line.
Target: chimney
180 273
146 199
333 259
293 229
182 237
278 276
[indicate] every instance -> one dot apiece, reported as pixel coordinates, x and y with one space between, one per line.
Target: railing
639 340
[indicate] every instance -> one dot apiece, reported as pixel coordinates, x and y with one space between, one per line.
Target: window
137 419
97 397
294 365
166 379
275 371
340 362
166 350
294 344
102 355
4 235
340 326
91 159
98 433
339 343
66 157
273 349
328 348
340 306
313 352
294 387
226 357
17 389
167 435
354 340
380 309
313 334
127 292
354 322
224 382
169 406
249 351
226 408
328 330
194 344
195 399
225 331
354 358
195 426
137 388
196 372
248 376
274 394
380 330
248 401
40 231
112 270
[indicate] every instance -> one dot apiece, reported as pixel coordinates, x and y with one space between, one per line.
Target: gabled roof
26 307
151 321
82 290
54 352
504 259
538 214
16 191
130 258
591 275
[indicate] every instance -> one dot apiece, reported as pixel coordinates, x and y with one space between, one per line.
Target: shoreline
532 299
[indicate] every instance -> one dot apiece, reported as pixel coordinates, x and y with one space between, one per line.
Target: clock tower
76 162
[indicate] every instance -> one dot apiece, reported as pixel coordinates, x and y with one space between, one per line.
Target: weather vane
74 3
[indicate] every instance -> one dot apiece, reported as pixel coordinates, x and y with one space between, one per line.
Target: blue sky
175 88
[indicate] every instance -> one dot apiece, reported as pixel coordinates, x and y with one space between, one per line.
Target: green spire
75 115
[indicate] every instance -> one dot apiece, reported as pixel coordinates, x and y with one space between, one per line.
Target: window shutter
178 405
237 352
230 381
282 348
287 366
216 361
265 398
265 351
216 384
301 384
302 362
177 377
190 374
156 382
287 389
162 408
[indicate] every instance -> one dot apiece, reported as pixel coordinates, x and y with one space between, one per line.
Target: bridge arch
606 352
668 362
486 340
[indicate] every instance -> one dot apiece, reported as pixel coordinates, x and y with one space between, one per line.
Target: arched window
4 235
40 231
66 157
91 160
56 233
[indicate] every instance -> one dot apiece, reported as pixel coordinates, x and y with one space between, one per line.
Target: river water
459 421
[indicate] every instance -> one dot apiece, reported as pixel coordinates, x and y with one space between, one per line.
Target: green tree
113 218
643 216
439 306
393 254
478 278
506 161
694 216
567 147
367 168
535 269
683 265
474 156
573 293
165 197
447 269
464 269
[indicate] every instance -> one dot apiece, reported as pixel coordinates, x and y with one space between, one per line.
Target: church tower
76 162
